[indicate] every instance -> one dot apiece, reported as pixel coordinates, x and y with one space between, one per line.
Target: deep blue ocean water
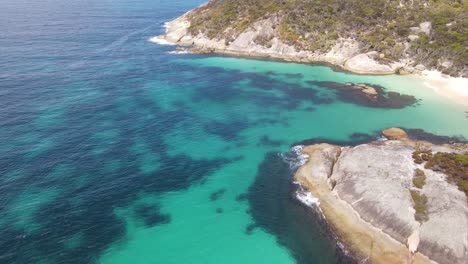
114 150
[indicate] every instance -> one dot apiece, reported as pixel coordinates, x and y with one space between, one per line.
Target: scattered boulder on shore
365 63
395 133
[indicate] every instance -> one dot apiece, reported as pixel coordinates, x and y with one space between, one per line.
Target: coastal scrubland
378 25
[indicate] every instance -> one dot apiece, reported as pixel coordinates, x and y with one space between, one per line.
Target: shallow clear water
114 151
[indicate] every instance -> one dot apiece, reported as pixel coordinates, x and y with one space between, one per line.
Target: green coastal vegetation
419 180
420 201
455 166
378 25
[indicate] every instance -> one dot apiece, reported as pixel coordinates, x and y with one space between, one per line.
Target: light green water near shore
194 217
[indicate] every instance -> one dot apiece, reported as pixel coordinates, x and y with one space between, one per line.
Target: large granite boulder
394 133
365 63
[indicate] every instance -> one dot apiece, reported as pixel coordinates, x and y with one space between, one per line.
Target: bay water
114 149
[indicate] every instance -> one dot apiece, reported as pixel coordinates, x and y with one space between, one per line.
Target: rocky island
393 201
369 37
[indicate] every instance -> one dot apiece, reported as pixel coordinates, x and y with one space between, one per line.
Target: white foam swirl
160 41
307 198
295 157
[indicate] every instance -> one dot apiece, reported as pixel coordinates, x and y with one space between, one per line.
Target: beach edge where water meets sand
455 89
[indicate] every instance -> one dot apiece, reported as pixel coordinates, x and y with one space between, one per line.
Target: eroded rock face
426 27
323 158
262 39
365 63
375 179
445 234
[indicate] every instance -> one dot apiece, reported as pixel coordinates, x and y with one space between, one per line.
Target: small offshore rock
395 133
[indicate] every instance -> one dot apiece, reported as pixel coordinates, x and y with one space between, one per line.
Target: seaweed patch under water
421 134
347 92
217 194
151 215
354 139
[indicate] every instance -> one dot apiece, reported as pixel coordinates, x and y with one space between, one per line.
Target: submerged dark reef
297 227
383 99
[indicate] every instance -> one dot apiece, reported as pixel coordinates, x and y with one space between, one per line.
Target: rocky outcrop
261 39
376 181
365 63
425 27
332 31
395 133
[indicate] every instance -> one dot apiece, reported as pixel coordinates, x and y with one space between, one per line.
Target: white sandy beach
453 88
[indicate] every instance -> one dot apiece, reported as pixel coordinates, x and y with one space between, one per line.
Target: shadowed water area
114 150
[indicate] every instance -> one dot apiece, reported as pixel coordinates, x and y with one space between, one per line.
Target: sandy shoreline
455 89
365 241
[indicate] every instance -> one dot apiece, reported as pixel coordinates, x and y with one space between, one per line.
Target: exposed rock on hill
365 36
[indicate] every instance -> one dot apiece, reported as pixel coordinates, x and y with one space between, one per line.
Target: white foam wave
166 26
160 41
307 198
301 158
295 157
179 52
382 138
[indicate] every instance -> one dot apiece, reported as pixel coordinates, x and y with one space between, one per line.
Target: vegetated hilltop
390 28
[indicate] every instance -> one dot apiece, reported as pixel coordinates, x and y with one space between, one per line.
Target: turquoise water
113 150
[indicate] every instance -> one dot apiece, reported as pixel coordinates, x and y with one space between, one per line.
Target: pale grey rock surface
344 52
376 179
413 37
365 63
426 27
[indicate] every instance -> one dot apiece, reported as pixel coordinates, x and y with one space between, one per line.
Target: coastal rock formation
378 183
260 40
366 64
369 37
395 133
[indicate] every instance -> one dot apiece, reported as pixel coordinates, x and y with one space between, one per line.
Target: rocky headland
393 201
367 37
